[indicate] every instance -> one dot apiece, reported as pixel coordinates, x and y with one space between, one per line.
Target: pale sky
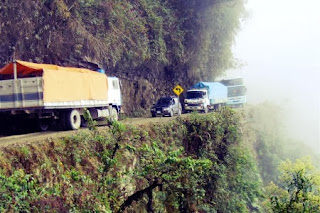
280 45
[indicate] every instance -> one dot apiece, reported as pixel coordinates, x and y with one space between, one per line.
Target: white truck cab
197 99
114 92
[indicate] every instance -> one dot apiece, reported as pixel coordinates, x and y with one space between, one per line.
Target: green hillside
199 163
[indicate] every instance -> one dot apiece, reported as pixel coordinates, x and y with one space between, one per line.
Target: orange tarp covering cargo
62 84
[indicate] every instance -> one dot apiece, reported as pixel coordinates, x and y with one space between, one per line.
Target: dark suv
169 105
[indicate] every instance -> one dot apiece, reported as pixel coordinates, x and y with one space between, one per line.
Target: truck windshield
164 101
236 91
232 82
194 94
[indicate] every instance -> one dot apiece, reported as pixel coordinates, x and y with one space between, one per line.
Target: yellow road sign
178 90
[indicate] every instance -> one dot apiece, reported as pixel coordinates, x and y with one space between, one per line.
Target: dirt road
16 140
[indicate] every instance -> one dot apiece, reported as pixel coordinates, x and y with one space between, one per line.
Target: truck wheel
73 119
153 115
114 114
44 124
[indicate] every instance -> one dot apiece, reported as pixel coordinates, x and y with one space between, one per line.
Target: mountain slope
150 44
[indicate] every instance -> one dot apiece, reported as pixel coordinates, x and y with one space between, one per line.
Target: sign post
178 90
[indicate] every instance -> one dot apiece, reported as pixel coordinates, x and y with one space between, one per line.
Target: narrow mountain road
17 140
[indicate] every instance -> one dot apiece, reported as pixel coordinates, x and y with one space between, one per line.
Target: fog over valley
279 48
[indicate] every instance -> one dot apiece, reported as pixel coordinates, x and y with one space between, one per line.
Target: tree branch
139 194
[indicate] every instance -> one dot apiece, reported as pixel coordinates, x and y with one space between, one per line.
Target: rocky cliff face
151 45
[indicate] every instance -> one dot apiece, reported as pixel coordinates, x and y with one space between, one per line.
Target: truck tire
6 126
73 119
44 124
153 115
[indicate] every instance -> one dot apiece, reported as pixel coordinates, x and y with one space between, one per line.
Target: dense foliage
130 32
187 165
299 188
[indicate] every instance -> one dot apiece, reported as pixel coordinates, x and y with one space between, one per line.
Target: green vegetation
267 139
266 135
299 190
290 187
127 33
193 164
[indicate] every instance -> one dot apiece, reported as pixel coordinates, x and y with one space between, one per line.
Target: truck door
114 94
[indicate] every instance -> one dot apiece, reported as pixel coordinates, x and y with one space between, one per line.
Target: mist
279 45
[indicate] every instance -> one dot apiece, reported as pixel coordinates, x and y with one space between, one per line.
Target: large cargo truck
236 92
53 94
205 96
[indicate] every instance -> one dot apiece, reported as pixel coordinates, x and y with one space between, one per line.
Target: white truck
205 96
50 94
236 91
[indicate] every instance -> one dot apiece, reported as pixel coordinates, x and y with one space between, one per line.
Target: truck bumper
191 108
238 105
236 101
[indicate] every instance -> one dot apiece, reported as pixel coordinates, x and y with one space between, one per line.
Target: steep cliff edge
193 164
151 45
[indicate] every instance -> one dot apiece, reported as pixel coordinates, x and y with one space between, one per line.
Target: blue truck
205 96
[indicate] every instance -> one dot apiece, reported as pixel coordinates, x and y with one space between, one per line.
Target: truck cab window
204 94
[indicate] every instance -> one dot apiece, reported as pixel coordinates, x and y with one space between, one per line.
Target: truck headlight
152 109
166 109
